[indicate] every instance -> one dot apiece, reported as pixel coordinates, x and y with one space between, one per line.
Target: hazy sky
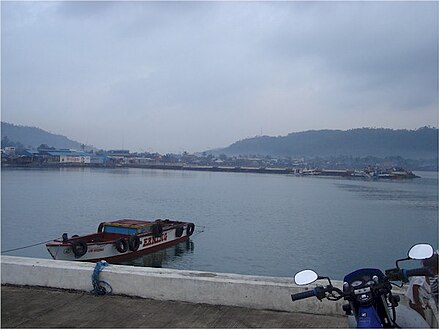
175 76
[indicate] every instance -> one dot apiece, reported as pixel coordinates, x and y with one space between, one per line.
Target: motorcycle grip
417 272
303 295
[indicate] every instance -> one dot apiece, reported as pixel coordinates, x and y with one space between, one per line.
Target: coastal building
65 156
78 158
138 160
119 153
98 159
10 151
30 152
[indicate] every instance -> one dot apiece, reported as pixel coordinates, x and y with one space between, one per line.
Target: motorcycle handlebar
303 295
404 274
417 272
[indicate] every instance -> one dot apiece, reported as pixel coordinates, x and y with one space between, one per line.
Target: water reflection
412 196
162 258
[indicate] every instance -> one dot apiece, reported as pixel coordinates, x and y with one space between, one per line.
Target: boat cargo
121 240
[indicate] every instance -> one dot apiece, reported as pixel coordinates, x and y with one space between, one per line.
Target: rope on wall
100 287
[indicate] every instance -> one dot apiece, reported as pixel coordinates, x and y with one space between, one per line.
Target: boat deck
91 238
36 307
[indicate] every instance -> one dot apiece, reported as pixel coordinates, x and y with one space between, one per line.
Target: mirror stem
404 259
325 278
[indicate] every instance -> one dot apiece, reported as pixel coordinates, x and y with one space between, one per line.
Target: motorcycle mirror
420 251
305 277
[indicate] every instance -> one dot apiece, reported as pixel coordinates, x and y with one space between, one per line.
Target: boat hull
107 250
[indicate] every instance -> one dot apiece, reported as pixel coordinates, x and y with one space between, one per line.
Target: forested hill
413 144
33 136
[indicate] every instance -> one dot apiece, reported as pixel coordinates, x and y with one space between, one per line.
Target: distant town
367 167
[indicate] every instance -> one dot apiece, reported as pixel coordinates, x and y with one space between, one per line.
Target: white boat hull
107 251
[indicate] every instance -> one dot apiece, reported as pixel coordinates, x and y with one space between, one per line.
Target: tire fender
157 230
179 231
121 245
134 242
79 248
190 229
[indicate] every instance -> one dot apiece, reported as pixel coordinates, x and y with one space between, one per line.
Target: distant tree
6 142
44 146
35 136
19 147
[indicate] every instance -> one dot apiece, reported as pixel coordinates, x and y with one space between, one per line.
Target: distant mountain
33 136
361 142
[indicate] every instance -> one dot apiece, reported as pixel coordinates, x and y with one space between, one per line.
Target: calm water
259 224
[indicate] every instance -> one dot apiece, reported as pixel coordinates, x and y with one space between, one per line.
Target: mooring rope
98 287
199 229
28 246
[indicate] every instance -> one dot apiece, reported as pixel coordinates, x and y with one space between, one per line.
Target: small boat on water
120 240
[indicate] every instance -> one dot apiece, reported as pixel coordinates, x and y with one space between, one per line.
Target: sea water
259 224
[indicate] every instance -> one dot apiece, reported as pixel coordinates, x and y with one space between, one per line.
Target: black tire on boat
190 229
179 231
133 243
79 248
157 230
101 225
121 245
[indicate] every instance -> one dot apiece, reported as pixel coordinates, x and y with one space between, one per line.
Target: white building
10 151
74 159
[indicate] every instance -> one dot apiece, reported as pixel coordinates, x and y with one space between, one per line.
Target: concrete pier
259 292
36 307
48 293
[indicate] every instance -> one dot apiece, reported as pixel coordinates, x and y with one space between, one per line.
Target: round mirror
421 251
305 277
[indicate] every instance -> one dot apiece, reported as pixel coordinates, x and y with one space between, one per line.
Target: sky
193 76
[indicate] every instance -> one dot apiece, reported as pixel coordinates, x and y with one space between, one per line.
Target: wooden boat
120 240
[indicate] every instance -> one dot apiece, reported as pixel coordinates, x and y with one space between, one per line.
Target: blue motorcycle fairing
364 273
368 318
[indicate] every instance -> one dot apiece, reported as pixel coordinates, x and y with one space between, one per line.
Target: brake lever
332 292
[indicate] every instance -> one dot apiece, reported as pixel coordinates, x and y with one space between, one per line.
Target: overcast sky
175 76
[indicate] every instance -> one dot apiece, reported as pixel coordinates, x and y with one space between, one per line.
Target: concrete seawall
259 292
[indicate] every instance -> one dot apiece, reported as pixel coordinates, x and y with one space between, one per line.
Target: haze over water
258 224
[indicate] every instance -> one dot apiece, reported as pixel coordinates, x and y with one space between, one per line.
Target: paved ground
34 307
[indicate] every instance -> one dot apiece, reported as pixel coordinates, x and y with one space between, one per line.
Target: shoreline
352 174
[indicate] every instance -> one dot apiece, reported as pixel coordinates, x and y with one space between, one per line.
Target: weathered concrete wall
259 292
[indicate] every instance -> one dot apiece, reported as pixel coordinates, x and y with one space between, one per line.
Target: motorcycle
370 301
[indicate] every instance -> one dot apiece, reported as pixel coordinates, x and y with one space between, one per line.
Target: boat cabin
126 227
